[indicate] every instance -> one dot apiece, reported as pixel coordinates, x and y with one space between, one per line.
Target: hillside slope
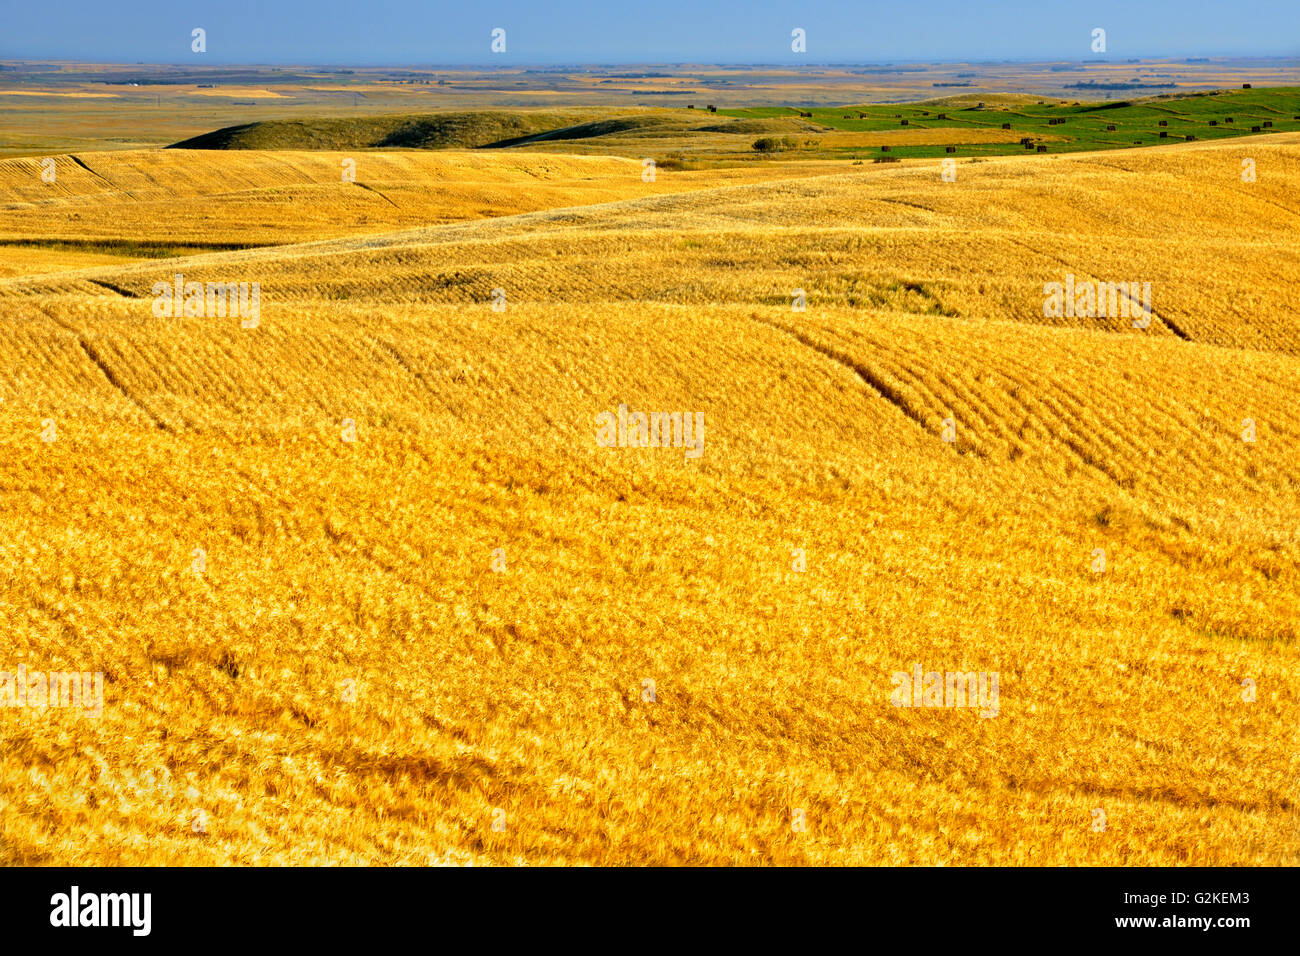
449 130
109 204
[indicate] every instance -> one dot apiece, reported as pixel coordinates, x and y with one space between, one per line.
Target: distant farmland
1063 126
972 124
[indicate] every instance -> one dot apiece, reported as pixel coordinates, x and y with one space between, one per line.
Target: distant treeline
871 70
1135 85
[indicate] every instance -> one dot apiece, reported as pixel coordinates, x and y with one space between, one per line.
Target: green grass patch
1062 126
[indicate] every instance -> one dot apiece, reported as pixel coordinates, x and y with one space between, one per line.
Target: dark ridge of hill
474 130
605 127
459 130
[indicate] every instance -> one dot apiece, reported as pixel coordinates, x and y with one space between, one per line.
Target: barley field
365 586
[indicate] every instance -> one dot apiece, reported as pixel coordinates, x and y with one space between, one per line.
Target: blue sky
431 32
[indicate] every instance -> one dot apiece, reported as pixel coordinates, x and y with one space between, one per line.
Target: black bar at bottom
334 906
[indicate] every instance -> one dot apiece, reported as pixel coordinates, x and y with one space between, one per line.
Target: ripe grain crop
473 614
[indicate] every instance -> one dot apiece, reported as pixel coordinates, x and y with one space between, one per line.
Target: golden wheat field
365 587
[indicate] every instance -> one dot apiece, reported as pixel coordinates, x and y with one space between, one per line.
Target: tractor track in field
80 162
864 374
107 370
1167 322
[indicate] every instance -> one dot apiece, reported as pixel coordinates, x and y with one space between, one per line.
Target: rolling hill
136 204
473 634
